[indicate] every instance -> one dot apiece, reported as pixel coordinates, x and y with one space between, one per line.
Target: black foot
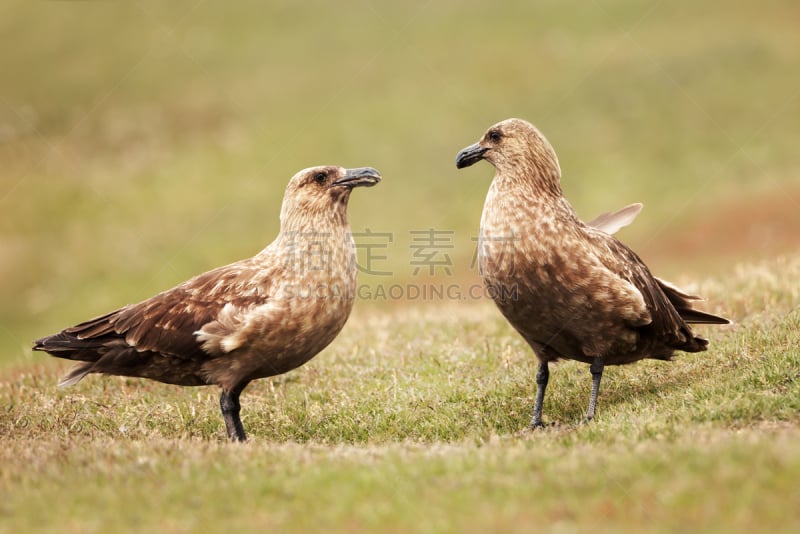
543 426
237 437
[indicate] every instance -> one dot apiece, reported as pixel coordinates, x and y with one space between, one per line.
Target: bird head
514 147
318 192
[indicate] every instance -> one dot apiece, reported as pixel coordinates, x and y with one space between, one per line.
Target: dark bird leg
229 404
542 376
597 373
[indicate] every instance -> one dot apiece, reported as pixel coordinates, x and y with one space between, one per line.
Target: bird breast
317 288
515 233
309 299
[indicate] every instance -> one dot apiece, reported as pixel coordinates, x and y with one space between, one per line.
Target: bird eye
495 136
320 177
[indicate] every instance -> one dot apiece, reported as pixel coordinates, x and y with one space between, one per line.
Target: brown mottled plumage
255 318
571 290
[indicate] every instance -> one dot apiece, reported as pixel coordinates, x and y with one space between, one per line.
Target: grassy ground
400 431
142 143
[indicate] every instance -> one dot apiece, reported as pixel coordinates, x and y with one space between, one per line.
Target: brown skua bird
255 318
571 290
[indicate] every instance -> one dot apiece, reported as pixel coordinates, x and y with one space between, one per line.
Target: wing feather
166 323
612 222
667 323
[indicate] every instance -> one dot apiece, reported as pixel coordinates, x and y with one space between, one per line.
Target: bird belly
169 369
551 307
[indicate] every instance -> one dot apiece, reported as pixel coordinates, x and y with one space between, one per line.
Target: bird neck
529 183
313 247
514 198
331 228
301 219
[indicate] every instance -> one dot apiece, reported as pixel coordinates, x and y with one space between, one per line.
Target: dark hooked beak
363 176
470 155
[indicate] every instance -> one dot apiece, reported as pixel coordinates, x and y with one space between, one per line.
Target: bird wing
612 222
168 323
666 323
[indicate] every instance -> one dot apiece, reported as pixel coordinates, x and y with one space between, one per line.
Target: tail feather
86 336
71 347
665 285
699 317
75 374
63 345
683 305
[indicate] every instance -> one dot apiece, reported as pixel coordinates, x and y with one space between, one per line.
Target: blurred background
144 142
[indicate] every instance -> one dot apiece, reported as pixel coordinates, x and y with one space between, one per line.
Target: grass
508 485
390 430
142 143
